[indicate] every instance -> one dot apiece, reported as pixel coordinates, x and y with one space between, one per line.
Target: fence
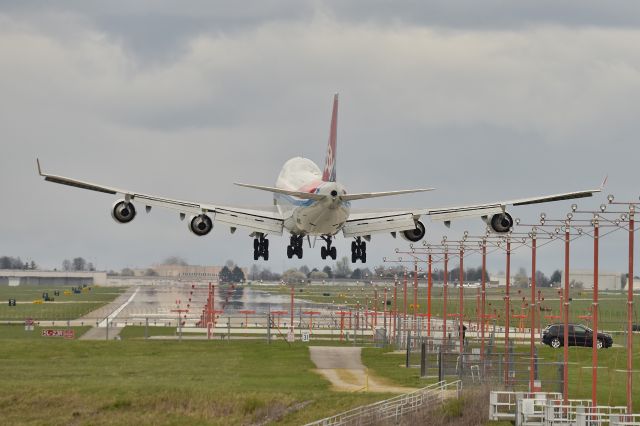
548 409
396 407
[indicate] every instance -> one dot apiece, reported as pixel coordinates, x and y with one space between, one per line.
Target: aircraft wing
378 221
255 220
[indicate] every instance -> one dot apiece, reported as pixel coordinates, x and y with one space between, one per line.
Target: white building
15 277
607 281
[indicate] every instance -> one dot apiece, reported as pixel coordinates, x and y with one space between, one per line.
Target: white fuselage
310 217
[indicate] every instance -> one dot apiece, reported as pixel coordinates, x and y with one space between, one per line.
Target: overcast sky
483 100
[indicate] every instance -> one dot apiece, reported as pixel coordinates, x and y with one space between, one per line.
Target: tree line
9 262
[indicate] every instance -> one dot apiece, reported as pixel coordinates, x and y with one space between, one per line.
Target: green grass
17 331
390 366
63 308
137 332
612 306
163 382
29 293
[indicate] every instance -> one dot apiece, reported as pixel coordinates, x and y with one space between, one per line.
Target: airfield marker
429 285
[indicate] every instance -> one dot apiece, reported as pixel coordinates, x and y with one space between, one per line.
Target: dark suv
579 335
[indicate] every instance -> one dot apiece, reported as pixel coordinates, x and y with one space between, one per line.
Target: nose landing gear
260 248
295 247
358 250
328 251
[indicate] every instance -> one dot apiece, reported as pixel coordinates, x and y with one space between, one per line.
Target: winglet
39 169
604 182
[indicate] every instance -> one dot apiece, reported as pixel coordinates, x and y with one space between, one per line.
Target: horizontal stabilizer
303 195
365 195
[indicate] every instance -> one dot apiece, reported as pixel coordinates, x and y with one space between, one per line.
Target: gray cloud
184 101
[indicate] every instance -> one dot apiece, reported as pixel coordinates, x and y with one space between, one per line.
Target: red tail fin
329 174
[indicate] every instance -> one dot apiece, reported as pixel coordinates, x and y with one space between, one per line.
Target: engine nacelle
415 234
501 222
200 225
123 211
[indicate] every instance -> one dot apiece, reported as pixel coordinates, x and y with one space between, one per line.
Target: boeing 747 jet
310 202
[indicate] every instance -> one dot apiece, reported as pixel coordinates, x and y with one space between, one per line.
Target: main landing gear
328 251
260 248
295 247
358 250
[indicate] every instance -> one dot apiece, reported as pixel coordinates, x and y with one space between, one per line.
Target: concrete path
344 369
100 333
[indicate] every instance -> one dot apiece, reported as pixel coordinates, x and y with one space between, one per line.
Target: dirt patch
344 369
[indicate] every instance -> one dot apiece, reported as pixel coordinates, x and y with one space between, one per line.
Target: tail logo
329 174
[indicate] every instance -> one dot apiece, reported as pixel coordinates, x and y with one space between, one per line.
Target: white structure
607 281
15 277
500 280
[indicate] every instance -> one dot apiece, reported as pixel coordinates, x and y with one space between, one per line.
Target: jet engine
200 225
415 234
501 222
123 211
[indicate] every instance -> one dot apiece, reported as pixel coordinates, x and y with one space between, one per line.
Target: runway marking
115 313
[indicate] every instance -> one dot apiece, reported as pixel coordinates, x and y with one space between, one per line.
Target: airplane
308 203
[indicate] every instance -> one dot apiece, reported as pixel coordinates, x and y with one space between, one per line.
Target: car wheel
555 343
600 344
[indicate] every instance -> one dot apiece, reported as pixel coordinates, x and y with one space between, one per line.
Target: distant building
187 272
500 280
607 281
16 277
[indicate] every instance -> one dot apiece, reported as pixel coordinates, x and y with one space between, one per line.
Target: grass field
65 307
163 382
612 306
17 331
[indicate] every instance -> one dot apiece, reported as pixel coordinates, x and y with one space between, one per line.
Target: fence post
440 366
423 360
408 348
146 328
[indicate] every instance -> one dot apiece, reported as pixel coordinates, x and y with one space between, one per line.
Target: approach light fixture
610 198
574 207
603 207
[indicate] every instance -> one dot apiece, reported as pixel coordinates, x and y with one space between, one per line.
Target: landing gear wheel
555 343
295 246
328 250
358 250
260 248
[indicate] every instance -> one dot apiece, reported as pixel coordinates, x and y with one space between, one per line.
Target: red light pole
533 313
461 304
395 306
594 314
415 295
429 285
404 321
565 314
291 310
630 312
246 316
507 319
444 296
484 291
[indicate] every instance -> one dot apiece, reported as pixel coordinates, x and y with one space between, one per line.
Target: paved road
344 369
